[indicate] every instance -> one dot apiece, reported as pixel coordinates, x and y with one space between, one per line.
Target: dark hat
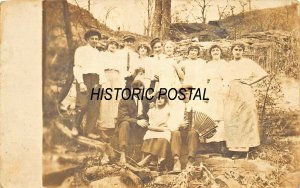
193 46
154 41
92 32
144 44
113 41
129 37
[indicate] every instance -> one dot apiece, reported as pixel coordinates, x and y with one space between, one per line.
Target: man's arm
78 64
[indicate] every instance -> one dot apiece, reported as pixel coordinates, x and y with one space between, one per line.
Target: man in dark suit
132 120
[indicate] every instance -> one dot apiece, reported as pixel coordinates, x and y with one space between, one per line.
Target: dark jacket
128 111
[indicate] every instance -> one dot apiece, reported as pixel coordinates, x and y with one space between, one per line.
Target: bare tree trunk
249 3
166 19
203 15
89 5
69 36
156 22
68 28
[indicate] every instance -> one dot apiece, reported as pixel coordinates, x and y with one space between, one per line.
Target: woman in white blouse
157 138
114 72
216 89
168 68
240 112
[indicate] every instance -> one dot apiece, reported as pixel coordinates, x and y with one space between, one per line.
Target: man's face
93 40
193 53
237 52
187 95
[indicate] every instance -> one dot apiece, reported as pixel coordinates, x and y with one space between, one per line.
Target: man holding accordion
187 126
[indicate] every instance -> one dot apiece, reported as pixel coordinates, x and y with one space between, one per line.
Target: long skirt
109 108
156 146
240 118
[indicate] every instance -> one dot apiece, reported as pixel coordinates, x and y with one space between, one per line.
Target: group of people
160 125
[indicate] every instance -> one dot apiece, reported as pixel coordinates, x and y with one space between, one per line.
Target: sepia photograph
169 93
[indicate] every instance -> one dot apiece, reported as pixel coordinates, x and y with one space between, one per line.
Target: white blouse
88 60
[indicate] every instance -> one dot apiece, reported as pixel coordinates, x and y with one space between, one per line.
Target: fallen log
83 140
133 177
101 171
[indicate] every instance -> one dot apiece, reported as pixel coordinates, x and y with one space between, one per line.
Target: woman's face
237 52
215 53
160 101
112 47
143 51
193 53
93 40
169 49
157 48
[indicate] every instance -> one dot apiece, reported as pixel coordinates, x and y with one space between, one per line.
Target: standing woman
157 49
193 67
240 112
114 72
216 90
143 62
168 68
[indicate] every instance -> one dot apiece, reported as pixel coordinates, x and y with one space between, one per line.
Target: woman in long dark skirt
157 138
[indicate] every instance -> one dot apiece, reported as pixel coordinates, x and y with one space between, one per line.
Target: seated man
132 120
181 132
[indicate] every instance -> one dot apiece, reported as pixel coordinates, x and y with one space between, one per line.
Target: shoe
177 165
74 131
93 136
161 166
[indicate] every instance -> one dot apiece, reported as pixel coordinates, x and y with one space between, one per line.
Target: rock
165 179
222 181
111 182
290 180
219 165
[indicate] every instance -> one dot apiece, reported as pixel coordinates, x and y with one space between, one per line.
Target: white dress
114 72
146 64
240 112
194 70
216 90
168 77
158 117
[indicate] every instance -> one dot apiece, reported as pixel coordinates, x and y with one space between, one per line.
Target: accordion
204 125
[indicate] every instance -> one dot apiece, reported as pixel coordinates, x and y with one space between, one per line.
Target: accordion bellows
204 125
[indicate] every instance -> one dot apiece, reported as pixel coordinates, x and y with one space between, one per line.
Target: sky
131 15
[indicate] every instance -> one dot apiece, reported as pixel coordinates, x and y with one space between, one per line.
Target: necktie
128 61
